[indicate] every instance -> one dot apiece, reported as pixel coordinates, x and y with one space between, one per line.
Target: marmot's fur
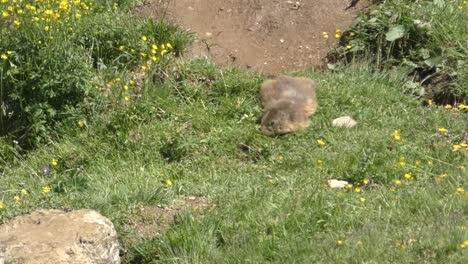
287 104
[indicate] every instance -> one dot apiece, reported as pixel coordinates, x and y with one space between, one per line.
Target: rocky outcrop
55 236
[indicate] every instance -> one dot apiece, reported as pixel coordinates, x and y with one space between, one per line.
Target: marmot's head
275 122
282 120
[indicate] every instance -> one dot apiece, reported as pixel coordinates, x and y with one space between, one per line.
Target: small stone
208 34
344 121
337 184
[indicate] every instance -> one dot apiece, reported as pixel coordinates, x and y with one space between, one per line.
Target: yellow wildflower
163 52
365 181
408 176
337 35
122 48
54 162
396 135
126 98
443 131
456 147
460 190
81 123
5 14
357 189
24 191
397 182
2 205
447 106
168 182
46 28
125 87
392 189
340 242
417 163
430 164
349 47
429 101
20 12
77 15
462 168
349 186
169 46
45 189
154 46
17 199
144 38
17 22
462 107
362 199
4 57
320 142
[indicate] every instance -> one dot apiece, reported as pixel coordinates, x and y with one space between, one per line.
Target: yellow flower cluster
149 52
460 147
46 15
21 195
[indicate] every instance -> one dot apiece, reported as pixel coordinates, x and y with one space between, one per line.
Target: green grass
263 208
197 125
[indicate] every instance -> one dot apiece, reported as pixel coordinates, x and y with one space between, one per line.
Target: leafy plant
427 39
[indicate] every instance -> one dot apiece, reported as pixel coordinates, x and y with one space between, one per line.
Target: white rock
344 121
55 236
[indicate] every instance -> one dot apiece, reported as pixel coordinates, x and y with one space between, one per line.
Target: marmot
287 104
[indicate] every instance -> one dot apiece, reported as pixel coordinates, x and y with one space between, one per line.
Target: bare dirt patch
150 221
269 36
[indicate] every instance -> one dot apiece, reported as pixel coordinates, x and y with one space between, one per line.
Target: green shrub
426 38
54 54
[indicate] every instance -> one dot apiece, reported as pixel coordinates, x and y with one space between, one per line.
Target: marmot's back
299 93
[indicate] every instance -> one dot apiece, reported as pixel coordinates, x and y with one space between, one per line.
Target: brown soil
150 221
269 36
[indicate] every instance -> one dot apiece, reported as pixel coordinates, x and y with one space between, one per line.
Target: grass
268 196
192 130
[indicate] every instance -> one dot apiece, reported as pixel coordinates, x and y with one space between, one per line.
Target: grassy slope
266 208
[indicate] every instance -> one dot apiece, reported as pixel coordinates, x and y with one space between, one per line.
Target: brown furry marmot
287 104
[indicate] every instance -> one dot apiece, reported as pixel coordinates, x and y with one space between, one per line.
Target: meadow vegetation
91 120
424 39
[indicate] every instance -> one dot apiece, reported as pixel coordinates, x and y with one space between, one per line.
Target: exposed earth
269 36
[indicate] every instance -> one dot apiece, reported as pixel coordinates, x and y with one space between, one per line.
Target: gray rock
344 121
55 236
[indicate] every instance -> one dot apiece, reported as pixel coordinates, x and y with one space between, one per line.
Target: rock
344 121
337 184
55 236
